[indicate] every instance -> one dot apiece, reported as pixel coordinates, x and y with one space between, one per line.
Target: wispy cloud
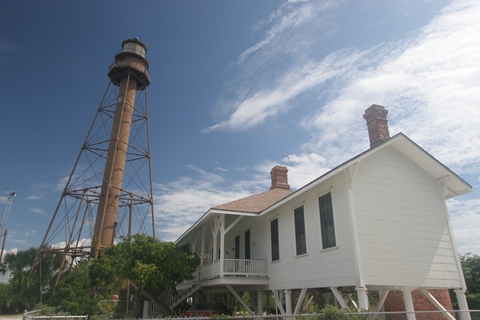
287 39
34 197
428 80
286 21
21 242
30 233
39 211
269 102
61 183
180 203
465 219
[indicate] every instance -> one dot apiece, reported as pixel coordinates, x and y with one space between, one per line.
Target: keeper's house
376 223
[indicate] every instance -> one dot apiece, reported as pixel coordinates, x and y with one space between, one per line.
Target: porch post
288 301
462 304
202 250
260 302
362 298
214 245
407 297
222 243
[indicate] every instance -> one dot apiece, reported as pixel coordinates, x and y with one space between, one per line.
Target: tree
471 271
153 267
73 293
28 291
6 297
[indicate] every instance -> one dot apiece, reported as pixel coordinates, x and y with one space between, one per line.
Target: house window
247 244
300 231
275 243
326 221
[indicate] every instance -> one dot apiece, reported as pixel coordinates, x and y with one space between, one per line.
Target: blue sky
237 88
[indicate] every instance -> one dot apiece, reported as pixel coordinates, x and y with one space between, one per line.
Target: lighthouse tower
109 191
130 73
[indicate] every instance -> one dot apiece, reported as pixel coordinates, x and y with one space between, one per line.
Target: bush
333 313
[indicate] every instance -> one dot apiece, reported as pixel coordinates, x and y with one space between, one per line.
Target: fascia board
197 224
456 185
208 215
234 213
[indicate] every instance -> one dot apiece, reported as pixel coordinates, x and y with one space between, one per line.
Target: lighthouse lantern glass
134 48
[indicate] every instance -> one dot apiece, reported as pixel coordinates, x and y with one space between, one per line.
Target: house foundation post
362 298
260 302
288 301
407 298
462 304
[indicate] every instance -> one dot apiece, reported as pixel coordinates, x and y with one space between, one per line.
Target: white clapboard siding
317 268
403 233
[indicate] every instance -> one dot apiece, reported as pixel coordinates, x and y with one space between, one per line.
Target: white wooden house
377 222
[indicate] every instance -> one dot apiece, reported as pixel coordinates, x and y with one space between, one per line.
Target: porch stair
184 290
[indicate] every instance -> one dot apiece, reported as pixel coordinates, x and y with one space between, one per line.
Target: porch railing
245 267
235 267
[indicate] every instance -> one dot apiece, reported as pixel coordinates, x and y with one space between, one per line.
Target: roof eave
462 187
207 215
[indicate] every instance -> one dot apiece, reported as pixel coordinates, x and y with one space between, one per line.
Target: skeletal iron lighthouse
109 191
130 73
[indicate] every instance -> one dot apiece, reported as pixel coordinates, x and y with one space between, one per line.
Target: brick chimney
376 117
279 178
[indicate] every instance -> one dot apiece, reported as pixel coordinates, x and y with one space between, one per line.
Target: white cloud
21 242
465 219
39 211
60 186
34 197
181 203
429 81
303 168
287 20
269 102
6 277
30 233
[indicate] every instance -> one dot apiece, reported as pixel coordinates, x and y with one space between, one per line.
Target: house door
237 247
247 244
